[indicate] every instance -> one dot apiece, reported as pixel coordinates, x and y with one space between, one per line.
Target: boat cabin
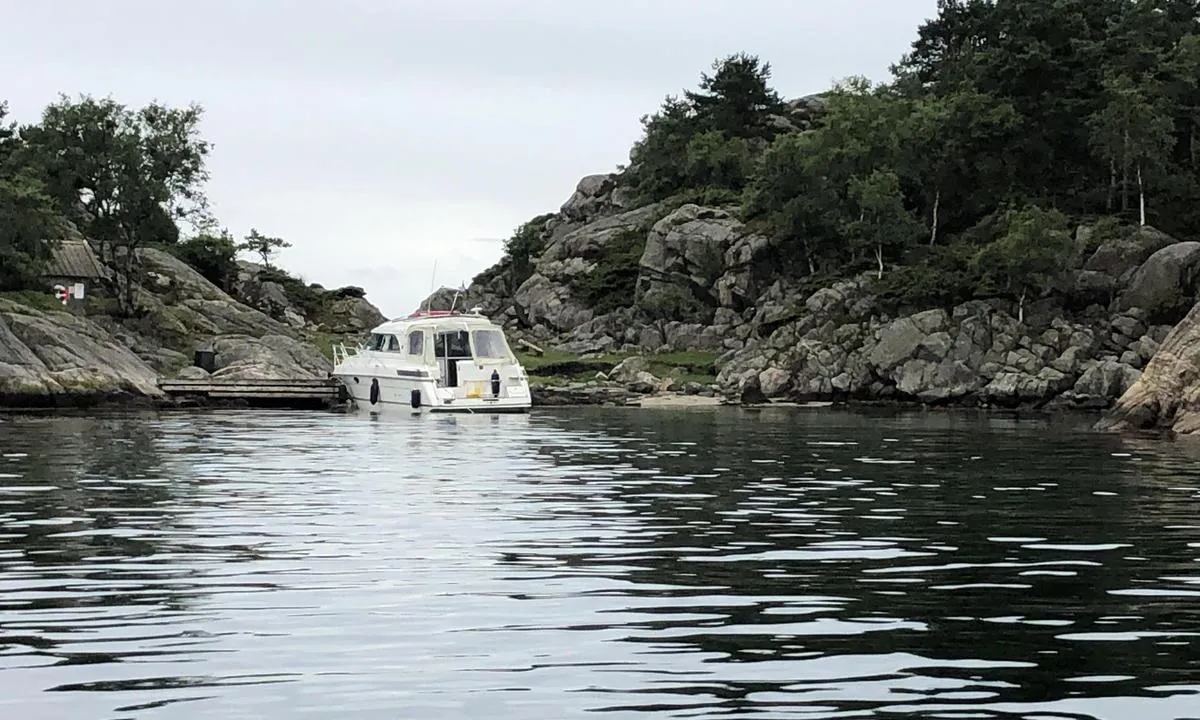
442 341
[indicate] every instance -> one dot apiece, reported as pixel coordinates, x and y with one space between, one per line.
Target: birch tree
942 140
883 226
1133 134
798 200
1028 256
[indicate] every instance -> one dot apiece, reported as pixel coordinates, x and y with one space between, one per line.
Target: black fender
374 390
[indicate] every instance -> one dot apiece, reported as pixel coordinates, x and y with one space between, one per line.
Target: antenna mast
432 280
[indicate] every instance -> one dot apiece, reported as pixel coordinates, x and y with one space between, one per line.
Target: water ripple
702 564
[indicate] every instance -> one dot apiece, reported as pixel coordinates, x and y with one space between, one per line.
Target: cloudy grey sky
378 136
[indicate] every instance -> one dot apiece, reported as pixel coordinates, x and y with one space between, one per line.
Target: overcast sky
380 136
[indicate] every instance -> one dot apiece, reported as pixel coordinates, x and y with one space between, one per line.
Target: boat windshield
489 344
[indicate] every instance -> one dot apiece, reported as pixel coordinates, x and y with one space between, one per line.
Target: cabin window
416 342
377 342
455 344
490 344
393 344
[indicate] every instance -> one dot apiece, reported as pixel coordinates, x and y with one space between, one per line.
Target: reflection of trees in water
95 530
103 473
789 541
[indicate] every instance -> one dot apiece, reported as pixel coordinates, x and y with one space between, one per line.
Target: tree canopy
709 137
1033 116
29 223
124 178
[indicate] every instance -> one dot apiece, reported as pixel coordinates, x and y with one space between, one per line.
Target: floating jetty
300 392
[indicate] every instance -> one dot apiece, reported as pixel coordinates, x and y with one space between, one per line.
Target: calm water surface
709 563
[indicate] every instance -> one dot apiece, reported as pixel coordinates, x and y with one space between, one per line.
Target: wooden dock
300 392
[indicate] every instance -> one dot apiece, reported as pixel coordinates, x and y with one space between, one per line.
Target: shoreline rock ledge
56 359
60 358
1167 395
779 338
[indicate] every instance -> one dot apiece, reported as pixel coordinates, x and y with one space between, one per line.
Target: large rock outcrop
708 281
350 315
56 358
1167 394
688 247
976 353
243 357
187 311
344 311
1164 281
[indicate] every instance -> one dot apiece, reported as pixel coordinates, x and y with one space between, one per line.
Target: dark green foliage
737 98
798 204
1026 259
710 138
883 228
213 256
707 197
1063 66
124 176
309 299
29 227
612 283
1132 133
29 223
1103 229
947 157
9 142
1007 125
674 302
526 243
658 161
716 161
349 291
937 276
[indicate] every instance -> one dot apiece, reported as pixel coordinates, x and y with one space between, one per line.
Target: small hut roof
74 259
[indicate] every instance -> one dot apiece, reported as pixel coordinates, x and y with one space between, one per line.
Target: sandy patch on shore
672 400
678 400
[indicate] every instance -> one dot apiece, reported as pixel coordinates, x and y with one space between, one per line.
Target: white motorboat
435 361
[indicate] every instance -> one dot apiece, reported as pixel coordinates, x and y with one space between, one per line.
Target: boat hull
397 393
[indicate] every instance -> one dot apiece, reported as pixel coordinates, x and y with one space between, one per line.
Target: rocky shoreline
975 355
57 357
575 395
773 340
1081 348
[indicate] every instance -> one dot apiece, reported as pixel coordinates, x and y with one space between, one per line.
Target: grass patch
325 342
556 366
554 362
37 300
690 360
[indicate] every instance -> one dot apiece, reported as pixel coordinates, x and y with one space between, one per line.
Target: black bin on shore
206 359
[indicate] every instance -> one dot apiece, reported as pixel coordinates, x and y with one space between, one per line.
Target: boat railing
341 353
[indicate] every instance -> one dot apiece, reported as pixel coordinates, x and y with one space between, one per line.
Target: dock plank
265 390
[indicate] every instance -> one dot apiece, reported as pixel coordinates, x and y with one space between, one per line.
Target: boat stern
488 388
